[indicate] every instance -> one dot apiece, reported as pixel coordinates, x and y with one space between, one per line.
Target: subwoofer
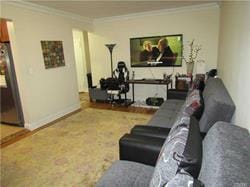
154 101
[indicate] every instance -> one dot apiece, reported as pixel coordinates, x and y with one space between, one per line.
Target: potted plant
192 56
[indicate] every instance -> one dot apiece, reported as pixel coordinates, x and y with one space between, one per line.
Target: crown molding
52 11
47 10
158 12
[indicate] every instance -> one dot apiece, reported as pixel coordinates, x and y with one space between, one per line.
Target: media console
150 81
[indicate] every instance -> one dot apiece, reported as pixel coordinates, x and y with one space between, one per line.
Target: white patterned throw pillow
170 156
192 102
182 150
183 179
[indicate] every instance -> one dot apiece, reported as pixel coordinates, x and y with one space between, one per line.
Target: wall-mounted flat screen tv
156 51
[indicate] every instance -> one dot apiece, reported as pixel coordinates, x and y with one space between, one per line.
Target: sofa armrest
177 94
151 131
142 149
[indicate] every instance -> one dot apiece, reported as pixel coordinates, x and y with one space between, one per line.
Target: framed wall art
53 54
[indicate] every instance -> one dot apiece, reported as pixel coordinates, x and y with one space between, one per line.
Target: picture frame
53 54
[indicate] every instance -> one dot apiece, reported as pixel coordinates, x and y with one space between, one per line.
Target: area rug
72 152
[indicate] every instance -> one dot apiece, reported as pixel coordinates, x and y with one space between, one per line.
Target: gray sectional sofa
219 106
226 147
226 162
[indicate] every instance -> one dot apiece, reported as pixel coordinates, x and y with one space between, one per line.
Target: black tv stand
150 81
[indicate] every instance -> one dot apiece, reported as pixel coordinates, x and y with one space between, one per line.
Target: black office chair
118 85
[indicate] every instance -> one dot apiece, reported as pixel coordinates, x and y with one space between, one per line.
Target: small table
149 81
183 82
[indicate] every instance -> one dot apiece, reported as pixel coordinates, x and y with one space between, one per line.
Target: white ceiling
101 9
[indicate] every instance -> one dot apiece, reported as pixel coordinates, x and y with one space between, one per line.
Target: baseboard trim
51 118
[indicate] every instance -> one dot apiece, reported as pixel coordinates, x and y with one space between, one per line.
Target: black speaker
154 101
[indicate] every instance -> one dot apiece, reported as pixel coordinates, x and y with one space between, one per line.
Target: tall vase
190 69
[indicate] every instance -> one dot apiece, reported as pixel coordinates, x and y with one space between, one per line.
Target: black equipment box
154 101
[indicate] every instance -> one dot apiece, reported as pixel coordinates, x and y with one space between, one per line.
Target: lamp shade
110 47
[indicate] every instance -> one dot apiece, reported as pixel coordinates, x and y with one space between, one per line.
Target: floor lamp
110 47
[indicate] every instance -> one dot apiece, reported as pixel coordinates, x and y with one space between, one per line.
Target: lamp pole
110 47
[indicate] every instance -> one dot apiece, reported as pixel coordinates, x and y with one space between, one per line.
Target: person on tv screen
166 55
149 53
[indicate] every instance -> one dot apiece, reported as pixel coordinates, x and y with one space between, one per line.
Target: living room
48 94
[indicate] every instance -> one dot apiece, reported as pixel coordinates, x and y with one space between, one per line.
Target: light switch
30 71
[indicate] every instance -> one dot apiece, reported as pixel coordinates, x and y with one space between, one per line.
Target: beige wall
45 94
201 24
234 56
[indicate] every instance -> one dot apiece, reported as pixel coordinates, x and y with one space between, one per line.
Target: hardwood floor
9 133
25 133
85 102
108 106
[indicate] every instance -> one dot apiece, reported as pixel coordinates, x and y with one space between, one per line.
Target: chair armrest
177 94
151 131
142 149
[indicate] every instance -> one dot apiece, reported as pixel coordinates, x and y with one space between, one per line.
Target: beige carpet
73 152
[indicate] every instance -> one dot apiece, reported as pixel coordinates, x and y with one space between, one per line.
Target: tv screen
156 51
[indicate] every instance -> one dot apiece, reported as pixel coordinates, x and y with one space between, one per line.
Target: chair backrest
226 153
122 74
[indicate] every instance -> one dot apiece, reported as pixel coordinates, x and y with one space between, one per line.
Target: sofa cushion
167 114
162 121
172 103
172 110
219 106
226 156
126 173
180 151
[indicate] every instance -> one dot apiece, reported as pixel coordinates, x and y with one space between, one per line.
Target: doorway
11 108
80 59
